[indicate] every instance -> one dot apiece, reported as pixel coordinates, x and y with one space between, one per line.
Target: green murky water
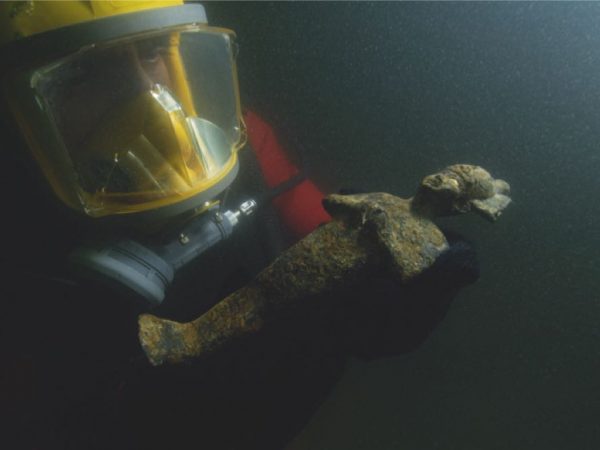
380 94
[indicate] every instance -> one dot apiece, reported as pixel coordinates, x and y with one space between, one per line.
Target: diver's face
93 86
148 57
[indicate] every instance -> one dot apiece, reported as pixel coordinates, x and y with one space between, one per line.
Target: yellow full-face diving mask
130 113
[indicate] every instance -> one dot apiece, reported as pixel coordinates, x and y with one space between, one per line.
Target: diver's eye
150 51
152 56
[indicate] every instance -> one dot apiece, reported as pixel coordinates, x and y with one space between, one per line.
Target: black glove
387 318
456 267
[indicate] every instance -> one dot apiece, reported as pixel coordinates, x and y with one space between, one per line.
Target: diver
134 180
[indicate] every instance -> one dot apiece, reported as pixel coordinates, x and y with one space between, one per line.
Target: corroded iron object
370 233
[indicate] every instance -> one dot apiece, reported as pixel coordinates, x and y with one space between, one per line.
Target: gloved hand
386 318
456 267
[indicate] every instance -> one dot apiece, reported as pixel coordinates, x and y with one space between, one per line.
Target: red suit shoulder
300 208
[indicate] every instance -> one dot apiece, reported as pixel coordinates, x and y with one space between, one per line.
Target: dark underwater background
374 96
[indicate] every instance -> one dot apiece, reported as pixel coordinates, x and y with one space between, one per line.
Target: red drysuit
300 208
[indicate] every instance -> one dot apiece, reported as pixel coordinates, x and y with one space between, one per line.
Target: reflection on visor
159 153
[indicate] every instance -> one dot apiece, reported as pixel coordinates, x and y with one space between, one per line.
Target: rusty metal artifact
369 233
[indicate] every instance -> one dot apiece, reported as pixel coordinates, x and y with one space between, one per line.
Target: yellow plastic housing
19 19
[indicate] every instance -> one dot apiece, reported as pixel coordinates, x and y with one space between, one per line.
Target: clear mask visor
139 123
